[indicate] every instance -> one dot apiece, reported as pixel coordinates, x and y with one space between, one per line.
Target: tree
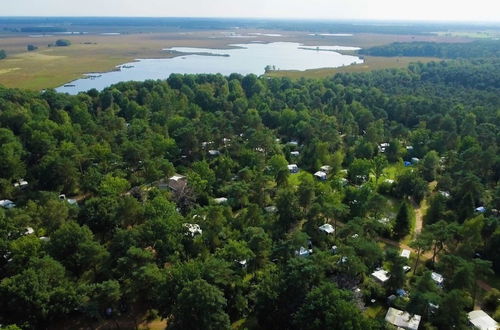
199 305
327 307
430 165
31 48
38 295
379 163
451 313
62 43
403 220
2 54
359 170
75 248
422 243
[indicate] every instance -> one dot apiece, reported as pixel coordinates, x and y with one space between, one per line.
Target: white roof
327 228
303 252
320 174
482 321
381 275
8 204
438 278
176 177
405 253
29 231
271 209
390 181
402 319
220 200
295 153
213 152
292 166
193 228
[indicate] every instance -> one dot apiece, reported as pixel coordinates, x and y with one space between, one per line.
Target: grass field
370 63
50 67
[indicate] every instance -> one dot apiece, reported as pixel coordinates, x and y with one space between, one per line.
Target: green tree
327 307
379 163
403 220
199 305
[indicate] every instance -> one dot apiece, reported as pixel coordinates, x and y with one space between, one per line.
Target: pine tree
402 225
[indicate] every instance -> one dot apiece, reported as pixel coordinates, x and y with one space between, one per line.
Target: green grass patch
375 311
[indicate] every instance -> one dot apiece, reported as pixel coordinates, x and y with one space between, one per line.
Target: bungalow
293 143
21 184
389 181
303 252
480 320
409 148
8 204
480 209
327 228
381 275
402 319
177 182
271 209
414 160
295 153
193 229
320 175
214 152
242 263
70 201
293 168
220 200
383 146
445 194
326 168
438 278
405 253
406 268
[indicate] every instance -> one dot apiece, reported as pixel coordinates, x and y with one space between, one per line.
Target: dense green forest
98 232
476 49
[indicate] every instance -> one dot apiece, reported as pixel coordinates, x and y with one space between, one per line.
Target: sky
434 10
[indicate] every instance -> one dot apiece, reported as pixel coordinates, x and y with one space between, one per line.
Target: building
381 275
480 209
220 200
21 184
293 168
320 175
295 153
271 209
214 152
177 182
480 320
193 229
405 253
303 252
7 204
414 160
438 278
70 201
327 228
402 319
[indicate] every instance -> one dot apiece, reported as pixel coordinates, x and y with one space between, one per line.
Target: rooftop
482 321
402 319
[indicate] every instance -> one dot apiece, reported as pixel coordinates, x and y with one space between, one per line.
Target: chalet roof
405 253
381 275
482 321
327 228
402 319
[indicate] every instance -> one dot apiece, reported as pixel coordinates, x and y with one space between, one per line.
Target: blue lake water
244 59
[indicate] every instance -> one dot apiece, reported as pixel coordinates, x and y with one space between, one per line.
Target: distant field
371 63
54 66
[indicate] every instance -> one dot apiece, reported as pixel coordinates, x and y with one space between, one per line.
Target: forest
250 202
475 49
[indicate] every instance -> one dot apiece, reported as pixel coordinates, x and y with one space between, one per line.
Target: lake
243 59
